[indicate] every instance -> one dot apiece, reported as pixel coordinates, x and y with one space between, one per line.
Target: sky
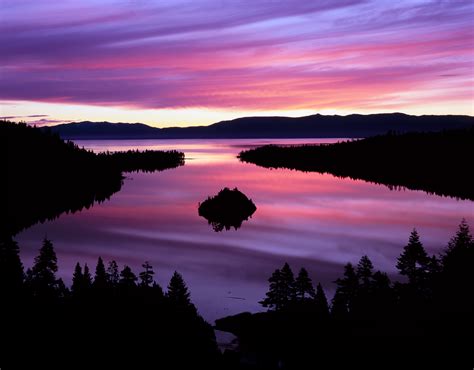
182 63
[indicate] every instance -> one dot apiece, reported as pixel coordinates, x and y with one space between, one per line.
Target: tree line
40 283
430 308
109 300
431 161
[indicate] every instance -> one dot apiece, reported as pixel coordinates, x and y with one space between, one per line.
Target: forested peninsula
46 176
435 162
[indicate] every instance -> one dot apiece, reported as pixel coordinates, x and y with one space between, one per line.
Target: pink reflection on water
308 219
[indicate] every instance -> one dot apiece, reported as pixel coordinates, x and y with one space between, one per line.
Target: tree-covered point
436 162
427 316
46 176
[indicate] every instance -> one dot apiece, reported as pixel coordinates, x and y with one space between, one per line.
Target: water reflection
308 219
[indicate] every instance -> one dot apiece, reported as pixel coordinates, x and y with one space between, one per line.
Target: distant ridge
314 126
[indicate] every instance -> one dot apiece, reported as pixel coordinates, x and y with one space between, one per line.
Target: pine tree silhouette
459 253
86 278
456 275
413 262
100 277
127 278
321 303
42 276
346 291
146 276
77 286
303 285
364 272
382 297
178 293
276 295
288 280
113 275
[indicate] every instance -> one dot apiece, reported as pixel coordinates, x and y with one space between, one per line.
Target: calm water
308 219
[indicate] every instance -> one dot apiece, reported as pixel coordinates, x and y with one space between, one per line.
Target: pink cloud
328 54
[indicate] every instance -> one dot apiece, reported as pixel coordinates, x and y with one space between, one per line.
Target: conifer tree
146 276
304 286
86 278
364 272
276 295
381 290
413 262
77 281
178 293
288 280
42 275
321 303
458 257
127 278
113 275
346 291
100 277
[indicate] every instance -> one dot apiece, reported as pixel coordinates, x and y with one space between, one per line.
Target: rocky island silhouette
229 208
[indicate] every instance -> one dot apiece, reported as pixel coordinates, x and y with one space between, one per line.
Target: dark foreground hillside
111 316
422 320
108 317
434 162
46 176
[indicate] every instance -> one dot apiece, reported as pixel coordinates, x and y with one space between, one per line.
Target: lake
307 219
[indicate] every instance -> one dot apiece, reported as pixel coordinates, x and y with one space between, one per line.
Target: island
229 208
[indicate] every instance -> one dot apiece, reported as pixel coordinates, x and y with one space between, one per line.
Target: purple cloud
267 55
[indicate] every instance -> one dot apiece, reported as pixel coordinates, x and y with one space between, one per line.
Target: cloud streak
313 55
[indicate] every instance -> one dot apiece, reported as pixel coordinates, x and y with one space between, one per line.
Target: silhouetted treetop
288 280
458 261
275 297
178 294
303 285
413 262
459 246
321 302
146 276
127 278
87 278
365 272
42 276
347 289
77 286
113 275
100 277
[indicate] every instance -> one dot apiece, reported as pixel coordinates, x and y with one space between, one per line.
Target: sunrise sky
197 62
